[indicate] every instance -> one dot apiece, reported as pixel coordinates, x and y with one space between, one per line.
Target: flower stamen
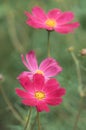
39 72
50 22
39 95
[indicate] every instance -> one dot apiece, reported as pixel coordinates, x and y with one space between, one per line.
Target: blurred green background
17 38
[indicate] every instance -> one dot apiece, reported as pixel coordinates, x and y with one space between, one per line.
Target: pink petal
54 101
56 93
21 93
51 86
67 28
42 106
52 82
35 23
38 80
39 13
29 102
65 18
24 62
50 67
61 92
26 73
25 81
32 61
55 13
29 16
52 71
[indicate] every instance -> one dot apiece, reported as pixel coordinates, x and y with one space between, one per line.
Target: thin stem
28 119
80 88
38 118
78 72
10 106
48 45
10 18
32 127
77 116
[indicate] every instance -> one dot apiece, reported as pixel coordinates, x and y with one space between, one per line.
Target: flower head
55 19
39 93
48 67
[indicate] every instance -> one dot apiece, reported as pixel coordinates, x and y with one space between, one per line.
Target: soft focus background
17 38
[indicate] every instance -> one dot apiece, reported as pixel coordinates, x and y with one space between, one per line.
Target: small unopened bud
1 77
70 49
83 92
83 52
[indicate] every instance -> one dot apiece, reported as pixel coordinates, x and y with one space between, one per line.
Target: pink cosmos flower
40 94
48 67
55 19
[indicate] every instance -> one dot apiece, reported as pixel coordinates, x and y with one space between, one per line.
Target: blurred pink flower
48 67
55 19
39 93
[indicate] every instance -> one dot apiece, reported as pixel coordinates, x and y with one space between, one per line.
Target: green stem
38 118
10 18
78 72
48 45
10 106
32 127
80 88
78 116
28 119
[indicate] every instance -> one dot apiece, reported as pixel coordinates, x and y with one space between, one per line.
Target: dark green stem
48 45
38 118
28 119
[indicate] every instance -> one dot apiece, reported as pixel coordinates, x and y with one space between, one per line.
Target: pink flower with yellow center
40 94
55 19
49 67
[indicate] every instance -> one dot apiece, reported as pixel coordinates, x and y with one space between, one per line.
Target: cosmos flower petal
21 93
54 101
25 81
65 18
35 23
29 16
54 14
29 102
56 93
67 28
47 62
42 106
51 86
38 80
52 82
32 21
39 13
24 62
61 92
50 67
24 74
31 61
52 71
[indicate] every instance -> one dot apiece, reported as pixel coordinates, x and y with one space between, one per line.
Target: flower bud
70 49
1 77
83 52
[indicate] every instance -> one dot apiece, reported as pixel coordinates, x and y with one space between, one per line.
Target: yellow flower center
39 72
39 95
50 22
